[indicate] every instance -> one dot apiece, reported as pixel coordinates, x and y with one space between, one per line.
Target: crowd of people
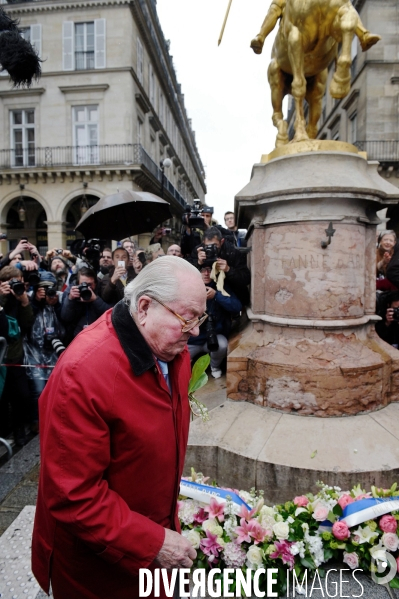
46 301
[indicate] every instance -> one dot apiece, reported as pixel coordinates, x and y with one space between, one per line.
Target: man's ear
222 241
142 309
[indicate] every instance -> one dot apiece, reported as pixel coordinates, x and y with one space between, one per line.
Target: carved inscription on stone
320 261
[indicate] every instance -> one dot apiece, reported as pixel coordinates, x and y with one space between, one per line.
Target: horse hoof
339 88
257 45
368 40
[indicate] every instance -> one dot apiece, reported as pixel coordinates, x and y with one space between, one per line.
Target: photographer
112 286
42 345
229 260
239 234
81 303
14 301
16 256
388 328
215 330
105 263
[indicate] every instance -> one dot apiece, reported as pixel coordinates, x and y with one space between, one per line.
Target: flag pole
224 23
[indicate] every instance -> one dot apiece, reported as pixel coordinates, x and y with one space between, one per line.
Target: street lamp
166 163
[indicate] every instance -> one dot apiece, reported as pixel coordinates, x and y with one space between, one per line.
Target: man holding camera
229 260
81 303
388 328
112 286
15 303
215 330
39 344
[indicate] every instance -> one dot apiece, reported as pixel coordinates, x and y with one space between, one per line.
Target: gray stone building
107 111
369 116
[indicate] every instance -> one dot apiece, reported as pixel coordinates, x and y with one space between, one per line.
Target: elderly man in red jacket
114 421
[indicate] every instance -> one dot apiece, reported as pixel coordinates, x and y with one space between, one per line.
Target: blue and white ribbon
204 494
368 509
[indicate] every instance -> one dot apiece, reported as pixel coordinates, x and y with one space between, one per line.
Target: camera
3 235
211 337
51 291
191 216
85 292
31 277
211 252
93 250
395 314
17 286
59 251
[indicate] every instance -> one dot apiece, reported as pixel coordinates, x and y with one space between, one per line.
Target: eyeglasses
188 325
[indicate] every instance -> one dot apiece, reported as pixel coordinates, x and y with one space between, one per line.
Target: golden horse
306 43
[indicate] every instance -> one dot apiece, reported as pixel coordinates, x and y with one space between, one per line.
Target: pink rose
388 524
351 559
341 531
301 501
345 500
390 540
321 512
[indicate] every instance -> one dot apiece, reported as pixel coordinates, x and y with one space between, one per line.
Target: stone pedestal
309 348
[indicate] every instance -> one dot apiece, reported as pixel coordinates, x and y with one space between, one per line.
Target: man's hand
40 294
389 319
201 255
5 288
210 293
74 293
22 299
51 253
222 265
119 272
66 254
29 264
137 265
176 551
22 246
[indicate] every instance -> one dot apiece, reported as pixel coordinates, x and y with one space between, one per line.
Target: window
32 34
139 131
140 61
151 84
23 137
353 128
83 45
161 107
85 134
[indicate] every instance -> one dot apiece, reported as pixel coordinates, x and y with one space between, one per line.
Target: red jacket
113 443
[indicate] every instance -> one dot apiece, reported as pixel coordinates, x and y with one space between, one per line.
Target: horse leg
341 82
298 87
277 86
314 96
366 39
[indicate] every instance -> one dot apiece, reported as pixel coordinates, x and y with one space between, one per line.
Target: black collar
131 340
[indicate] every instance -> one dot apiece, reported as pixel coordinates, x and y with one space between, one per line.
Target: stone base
311 371
244 446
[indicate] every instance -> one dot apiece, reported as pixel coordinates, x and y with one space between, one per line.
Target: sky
226 91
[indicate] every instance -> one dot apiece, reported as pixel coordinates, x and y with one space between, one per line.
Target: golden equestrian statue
306 43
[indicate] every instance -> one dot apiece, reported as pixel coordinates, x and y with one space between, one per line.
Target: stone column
310 347
56 234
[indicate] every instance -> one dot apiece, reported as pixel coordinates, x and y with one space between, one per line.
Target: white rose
267 511
213 527
255 556
192 537
390 540
281 530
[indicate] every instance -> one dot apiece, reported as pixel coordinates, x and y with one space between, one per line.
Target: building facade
369 115
105 114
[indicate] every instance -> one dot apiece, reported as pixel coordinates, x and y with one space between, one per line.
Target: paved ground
18 492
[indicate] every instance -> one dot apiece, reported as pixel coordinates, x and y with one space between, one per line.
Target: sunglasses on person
187 325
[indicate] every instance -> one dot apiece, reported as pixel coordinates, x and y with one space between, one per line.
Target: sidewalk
18 493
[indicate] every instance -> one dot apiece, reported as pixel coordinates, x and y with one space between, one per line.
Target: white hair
159 280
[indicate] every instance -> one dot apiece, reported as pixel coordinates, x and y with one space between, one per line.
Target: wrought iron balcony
121 157
385 151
